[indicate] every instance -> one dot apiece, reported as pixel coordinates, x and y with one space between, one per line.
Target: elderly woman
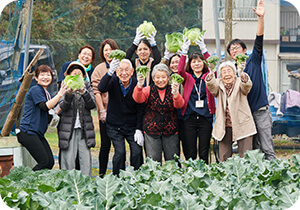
160 120
233 120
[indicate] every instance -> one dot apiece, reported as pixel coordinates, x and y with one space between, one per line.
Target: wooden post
228 25
26 81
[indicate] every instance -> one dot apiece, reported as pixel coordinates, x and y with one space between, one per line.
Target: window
241 9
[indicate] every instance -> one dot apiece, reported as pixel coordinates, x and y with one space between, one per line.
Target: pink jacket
188 85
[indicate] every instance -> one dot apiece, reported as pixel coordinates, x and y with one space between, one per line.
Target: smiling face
44 79
174 64
236 49
85 56
161 79
106 51
143 51
227 75
197 65
124 72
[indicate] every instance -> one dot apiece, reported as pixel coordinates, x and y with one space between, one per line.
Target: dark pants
118 135
196 126
104 149
225 146
155 145
39 149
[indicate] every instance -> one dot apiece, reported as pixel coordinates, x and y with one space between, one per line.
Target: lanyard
48 96
198 91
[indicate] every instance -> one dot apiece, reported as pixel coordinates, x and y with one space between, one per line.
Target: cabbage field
238 183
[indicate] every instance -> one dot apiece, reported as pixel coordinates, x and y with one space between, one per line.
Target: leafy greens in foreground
238 183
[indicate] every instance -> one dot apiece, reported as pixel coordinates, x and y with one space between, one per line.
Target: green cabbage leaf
193 34
147 28
174 41
118 54
74 82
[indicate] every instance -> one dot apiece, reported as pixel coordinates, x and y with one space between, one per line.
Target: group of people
151 112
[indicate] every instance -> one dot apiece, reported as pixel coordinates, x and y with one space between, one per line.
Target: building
281 38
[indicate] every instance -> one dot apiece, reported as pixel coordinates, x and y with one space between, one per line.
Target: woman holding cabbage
143 44
160 119
76 133
199 105
107 46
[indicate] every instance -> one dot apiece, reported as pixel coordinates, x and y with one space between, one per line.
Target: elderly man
233 120
257 97
124 115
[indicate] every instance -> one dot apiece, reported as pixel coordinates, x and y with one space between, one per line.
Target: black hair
146 42
76 67
236 41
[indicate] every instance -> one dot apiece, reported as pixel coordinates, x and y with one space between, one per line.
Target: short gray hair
127 61
227 63
160 67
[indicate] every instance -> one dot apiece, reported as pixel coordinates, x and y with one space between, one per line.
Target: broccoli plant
213 60
176 78
118 54
143 70
241 58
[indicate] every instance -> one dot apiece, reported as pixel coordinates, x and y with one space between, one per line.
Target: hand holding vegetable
82 90
63 89
174 41
176 78
147 28
185 46
140 79
212 62
119 54
138 37
201 44
151 38
74 82
175 88
113 66
143 70
241 58
167 53
193 34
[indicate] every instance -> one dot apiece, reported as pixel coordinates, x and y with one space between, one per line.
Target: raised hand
138 37
151 38
113 66
260 9
185 46
201 44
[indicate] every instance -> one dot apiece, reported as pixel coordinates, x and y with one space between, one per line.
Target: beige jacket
101 98
242 121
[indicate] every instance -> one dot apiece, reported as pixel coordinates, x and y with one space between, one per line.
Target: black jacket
68 116
121 111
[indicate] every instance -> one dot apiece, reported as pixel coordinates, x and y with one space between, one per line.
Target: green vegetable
74 82
193 34
177 78
147 28
143 70
241 58
118 54
212 59
174 41
238 183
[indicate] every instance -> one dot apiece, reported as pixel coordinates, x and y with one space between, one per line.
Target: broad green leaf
189 202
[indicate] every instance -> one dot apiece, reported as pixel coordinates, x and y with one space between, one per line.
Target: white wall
246 30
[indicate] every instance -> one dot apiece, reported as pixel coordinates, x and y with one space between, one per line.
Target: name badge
199 104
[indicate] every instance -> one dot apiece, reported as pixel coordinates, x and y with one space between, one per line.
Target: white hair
127 61
227 63
160 67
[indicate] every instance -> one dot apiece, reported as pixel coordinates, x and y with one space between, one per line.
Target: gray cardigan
69 108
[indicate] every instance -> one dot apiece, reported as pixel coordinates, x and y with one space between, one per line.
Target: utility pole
228 25
217 33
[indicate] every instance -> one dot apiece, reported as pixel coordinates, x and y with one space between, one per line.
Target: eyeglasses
235 47
124 70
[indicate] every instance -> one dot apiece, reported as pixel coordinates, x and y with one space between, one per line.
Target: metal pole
217 33
28 32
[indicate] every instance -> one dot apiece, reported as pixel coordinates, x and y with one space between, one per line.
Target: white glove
151 39
55 118
201 44
103 115
113 66
185 46
138 37
167 53
139 137
175 88
141 79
